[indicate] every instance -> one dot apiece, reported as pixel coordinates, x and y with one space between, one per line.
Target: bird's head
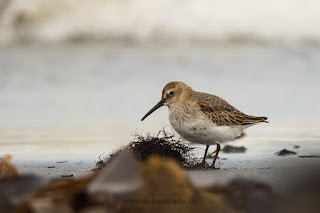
173 93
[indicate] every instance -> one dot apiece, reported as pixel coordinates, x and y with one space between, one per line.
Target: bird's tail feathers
253 119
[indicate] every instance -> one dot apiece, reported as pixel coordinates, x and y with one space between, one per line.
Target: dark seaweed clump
164 145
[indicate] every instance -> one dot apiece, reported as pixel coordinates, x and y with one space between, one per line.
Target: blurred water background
77 77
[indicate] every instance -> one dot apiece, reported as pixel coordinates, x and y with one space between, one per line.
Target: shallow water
83 100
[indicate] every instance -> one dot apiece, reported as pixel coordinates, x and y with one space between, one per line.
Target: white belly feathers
204 132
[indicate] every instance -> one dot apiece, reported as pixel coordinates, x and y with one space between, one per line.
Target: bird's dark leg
215 157
205 155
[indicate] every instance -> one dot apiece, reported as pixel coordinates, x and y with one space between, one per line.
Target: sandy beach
277 171
280 172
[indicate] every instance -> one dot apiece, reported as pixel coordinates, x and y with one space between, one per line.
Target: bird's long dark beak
158 105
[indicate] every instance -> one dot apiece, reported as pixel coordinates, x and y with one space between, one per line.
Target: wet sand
278 171
55 168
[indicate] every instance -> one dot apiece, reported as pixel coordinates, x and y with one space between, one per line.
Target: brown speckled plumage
221 112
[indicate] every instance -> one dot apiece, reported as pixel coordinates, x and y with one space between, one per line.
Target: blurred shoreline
141 21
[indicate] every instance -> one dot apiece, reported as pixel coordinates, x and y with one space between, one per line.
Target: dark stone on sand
66 176
296 146
285 152
234 149
309 156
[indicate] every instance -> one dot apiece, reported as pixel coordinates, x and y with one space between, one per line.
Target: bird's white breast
202 130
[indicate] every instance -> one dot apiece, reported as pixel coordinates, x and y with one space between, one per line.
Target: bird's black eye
171 93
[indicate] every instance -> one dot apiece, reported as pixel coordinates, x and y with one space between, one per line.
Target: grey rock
13 190
120 179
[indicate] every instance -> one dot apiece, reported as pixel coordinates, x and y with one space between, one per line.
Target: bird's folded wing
222 113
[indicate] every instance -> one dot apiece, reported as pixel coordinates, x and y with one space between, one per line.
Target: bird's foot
215 167
203 162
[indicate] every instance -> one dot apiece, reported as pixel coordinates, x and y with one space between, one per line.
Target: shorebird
203 118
